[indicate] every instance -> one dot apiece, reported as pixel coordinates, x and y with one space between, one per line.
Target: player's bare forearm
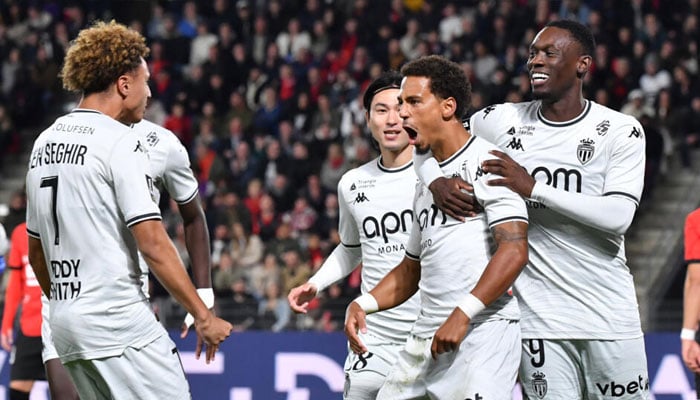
197 241
38 262
506 263
161 256
398 285
691 297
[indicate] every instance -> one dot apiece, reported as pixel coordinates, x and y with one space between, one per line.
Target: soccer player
375 218
580 167
170 168
25 348
463 268
690 348
90 213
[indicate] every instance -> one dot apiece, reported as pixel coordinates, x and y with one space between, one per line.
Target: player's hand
211 331
690 350
207 296
354 322
300 296
451 195
450 334
514 176
6 339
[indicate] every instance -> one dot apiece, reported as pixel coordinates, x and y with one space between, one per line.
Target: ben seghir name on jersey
58 153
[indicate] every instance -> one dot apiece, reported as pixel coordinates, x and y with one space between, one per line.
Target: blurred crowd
265 95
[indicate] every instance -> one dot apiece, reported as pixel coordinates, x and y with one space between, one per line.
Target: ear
448 107
367 116
123 85
583 65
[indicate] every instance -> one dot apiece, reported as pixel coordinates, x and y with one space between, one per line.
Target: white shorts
485 366
365 374
48 351
584 369
152 372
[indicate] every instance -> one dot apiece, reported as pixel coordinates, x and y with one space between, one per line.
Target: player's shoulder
365 171
155 134
497 112
616 118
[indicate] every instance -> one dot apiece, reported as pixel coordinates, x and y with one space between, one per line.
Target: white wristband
688 334
207 296
471 305
368 303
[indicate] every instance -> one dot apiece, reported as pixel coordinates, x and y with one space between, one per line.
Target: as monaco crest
539 384
585 151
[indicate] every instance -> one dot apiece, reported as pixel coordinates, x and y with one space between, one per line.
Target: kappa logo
539 384
139 147
602 128
479 173
585 150
515 144
361 198
487 110
635 132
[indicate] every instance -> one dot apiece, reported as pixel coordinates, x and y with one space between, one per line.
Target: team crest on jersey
152 138
585 151
602 128
539 384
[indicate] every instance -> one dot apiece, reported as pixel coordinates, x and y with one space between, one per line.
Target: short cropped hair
100 55
387 80
447 79
579 32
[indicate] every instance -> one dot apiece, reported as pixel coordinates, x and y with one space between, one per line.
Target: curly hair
447 79
579 32
101 54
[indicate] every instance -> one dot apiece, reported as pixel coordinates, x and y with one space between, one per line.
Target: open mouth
412 134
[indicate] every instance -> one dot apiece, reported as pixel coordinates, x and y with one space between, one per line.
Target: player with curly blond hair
90 213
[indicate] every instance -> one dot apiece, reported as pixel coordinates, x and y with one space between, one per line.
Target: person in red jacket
24 346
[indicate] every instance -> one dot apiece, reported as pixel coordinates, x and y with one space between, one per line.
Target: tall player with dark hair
375 218
466 340
580 167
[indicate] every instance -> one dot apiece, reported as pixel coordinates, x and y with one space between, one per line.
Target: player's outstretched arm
339 264
197 242
161 256
500 273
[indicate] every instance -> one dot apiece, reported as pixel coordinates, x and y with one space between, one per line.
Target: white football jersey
169 167
87 184
376 215
454 254
577 284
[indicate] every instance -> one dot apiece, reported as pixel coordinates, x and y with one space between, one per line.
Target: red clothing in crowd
22 287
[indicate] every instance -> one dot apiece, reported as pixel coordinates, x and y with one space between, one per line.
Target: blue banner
309 366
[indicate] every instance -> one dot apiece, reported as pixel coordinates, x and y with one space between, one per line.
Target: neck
453 137
564 109
398 158
105 102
